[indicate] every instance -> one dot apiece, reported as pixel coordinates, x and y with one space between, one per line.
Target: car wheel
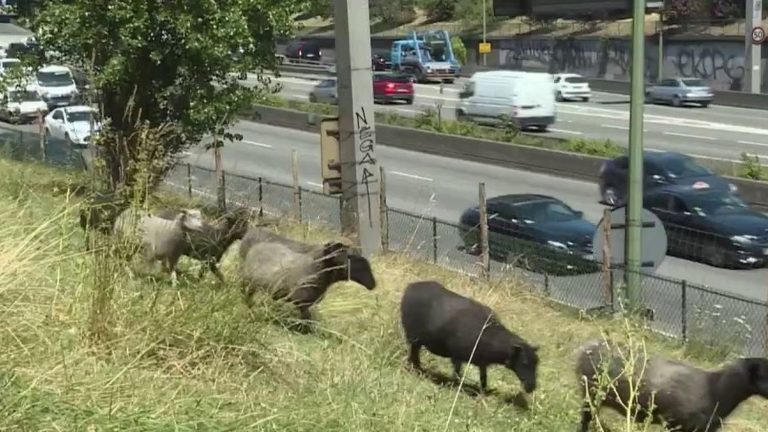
559 97
409 101
586 99
312 98
648 97
714 255
461 116
68 140
609 196
705 104
676 101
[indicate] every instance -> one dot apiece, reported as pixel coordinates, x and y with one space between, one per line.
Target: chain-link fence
716 320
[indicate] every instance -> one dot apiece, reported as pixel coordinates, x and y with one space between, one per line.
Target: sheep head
524 362
341 264
758 376
191 219
237 221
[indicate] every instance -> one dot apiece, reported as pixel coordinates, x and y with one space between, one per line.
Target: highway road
718 131
431 185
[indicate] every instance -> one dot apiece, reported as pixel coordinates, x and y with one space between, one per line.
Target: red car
389 87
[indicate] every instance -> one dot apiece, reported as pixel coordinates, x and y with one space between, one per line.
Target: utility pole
634 215
752 59
485 31
357 132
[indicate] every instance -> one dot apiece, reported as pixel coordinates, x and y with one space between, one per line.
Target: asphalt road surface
718 131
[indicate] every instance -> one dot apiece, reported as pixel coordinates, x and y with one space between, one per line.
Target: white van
21 105
57 86
527 98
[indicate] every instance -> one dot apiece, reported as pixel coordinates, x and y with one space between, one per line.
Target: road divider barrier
508 155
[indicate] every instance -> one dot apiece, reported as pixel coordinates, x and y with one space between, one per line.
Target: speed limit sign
758 35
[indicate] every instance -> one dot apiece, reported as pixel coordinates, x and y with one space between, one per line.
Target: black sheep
99 212
687 398
211 243
298 272
448 325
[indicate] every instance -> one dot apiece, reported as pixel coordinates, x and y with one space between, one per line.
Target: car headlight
743 238
733 187
429 68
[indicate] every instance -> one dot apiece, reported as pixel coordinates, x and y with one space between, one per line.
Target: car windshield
327 83
711 204
384 55
546 211
81 116
23 96
394 78
684 167
575 80
55 79
10 64
692 82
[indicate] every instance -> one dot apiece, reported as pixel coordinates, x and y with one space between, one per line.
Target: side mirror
579 213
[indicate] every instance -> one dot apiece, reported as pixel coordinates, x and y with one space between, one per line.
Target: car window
651 169
682 167
669 83
575 80
676 205
622 162
655 202
693 82
551 211
327 83
716 203
57 115
557 79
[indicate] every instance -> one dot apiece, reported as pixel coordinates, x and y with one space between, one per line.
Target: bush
459 49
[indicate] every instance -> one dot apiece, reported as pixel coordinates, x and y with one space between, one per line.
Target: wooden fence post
41 131
220 197
607 274
189 180
383 210
296 185
485 260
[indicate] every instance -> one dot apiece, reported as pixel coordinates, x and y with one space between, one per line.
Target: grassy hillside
89 345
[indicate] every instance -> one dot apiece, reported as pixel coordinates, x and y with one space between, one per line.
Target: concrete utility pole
634 216
357 132
752 58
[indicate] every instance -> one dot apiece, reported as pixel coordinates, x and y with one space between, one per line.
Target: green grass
89 346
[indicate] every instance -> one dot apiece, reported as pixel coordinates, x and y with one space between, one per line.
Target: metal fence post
434 239
296 186
384 214
223 185
684 309
607 274
189 180
261 197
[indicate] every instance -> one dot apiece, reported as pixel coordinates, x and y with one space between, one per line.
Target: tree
438 10
392 11
167 66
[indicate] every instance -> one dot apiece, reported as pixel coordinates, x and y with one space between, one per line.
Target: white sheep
161 239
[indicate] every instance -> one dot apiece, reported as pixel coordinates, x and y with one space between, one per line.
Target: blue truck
428 56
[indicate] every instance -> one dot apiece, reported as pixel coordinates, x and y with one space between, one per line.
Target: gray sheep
298 272
210 243
99 212
161 239
686 398
448 325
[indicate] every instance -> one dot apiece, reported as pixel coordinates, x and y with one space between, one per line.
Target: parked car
57 86
713 226
8 63
22 105
303 50
659 169
571 86
30 49
540 232
679 91
391 87
381 61
325 92
72 124
496 97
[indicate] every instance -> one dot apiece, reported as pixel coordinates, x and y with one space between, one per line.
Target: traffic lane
574 124
443 187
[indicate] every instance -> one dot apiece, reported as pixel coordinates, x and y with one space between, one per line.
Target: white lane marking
317 185
566 131
690 136
753 143
614 127
257 144
413 176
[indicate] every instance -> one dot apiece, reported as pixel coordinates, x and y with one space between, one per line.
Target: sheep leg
414 356
483 378
215 270
456 368
586 417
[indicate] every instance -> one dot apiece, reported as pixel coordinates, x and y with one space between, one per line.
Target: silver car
325 92
679 91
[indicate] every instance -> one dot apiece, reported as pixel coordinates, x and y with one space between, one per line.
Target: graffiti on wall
722 66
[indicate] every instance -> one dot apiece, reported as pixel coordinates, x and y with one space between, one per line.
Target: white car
571 86
7 64
22 105
57 86
73 124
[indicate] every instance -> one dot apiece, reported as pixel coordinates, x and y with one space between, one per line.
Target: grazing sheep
99 212
687 398
297 272
260 235
448 325
161 239
210 243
